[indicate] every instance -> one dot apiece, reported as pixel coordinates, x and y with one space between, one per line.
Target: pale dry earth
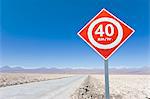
59 86
121 87
8 79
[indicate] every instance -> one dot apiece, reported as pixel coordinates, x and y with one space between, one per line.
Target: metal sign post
107 96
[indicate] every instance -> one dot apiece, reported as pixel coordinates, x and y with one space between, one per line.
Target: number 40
100 29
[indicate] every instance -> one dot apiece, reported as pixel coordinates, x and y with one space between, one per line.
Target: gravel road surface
51 89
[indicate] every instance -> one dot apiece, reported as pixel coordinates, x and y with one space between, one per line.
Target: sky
43 33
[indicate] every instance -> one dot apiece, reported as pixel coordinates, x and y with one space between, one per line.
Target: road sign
105 33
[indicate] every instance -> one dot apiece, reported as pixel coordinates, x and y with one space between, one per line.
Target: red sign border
118 45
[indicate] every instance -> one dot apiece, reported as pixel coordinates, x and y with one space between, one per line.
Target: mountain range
8 69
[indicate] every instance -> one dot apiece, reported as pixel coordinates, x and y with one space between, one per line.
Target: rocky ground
92 89
121 87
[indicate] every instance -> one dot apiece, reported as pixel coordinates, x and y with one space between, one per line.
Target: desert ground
69 86
121 87
8 79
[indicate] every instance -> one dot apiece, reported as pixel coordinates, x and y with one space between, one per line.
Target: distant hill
8 69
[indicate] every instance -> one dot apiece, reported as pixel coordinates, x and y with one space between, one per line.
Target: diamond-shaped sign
105 33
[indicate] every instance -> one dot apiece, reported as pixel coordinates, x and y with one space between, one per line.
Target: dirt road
51 89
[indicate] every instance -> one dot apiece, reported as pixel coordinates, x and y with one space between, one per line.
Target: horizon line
111 67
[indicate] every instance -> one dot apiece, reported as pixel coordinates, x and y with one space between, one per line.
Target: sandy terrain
7 79
121 87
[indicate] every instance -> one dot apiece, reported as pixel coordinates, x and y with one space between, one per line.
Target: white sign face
105 19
